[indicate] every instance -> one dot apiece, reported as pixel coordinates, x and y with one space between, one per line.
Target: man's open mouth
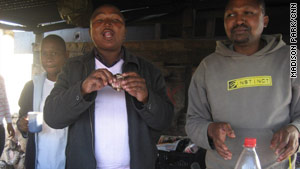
108 34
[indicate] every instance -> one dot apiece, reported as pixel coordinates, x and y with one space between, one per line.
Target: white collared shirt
51 143
111 125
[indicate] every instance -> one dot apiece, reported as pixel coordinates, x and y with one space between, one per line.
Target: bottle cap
250 142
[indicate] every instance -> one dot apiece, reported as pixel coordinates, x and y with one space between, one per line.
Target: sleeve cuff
141 106
86 98
211 143
296 125
207 140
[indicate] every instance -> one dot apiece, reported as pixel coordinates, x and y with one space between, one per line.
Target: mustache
240 26
107 29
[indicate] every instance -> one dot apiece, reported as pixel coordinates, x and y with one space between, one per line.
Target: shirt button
149 106
77 98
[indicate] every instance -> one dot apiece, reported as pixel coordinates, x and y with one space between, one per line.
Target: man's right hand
23 124
218 131
96 81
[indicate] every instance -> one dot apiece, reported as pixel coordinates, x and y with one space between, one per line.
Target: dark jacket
65 106
26 105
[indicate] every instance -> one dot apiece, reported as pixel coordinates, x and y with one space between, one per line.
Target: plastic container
35 121
248 158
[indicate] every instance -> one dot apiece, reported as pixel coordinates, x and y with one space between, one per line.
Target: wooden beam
36 66
157 34
188 23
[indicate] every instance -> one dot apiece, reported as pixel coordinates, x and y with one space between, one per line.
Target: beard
240 34
240 41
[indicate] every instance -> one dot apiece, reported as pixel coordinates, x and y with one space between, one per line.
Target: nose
108 22
240 19
49 56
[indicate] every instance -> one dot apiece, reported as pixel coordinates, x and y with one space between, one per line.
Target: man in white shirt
45 149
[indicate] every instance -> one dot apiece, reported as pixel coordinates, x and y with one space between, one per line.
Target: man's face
107 28
53 56
244 21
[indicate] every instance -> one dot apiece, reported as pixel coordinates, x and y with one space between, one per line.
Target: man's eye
50 53
116 20
249 13
100 20
230 15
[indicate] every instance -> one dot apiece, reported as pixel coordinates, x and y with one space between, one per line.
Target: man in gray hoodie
244 89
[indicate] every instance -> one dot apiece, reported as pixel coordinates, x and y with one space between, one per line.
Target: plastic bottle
248 158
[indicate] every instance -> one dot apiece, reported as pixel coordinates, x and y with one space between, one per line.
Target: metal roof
46 15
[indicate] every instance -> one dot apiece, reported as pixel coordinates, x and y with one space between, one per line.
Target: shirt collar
99 57
128 58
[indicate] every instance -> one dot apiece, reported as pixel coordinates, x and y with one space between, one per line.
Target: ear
266 21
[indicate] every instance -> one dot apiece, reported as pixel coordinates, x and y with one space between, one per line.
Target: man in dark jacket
109 128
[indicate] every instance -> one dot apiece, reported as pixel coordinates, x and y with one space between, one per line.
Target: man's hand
135 86
285 142
96 81
10 130
23 124
218 132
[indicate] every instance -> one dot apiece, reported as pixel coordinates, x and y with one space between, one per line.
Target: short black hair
57 39
261 3
109 5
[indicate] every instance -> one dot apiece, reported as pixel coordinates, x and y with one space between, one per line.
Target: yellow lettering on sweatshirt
252 81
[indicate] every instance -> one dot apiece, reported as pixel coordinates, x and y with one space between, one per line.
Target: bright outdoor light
15 69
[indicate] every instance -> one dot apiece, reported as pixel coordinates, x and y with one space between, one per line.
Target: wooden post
210 27
36 66
157 31
188 23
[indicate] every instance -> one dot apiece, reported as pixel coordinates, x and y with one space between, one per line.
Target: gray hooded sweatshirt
254 94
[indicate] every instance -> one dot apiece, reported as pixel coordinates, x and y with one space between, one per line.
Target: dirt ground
13 155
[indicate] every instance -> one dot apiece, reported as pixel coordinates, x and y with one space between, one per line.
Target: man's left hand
136 86
285 142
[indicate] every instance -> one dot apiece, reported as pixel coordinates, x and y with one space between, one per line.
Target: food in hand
116 84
